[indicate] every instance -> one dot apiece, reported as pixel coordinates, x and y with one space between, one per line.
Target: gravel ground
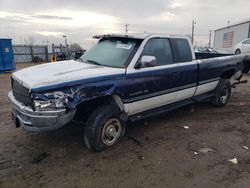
156 152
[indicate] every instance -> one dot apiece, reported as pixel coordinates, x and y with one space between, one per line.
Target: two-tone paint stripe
176 89
78 82
155 94
156 101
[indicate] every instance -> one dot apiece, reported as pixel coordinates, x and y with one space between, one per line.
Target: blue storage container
7 61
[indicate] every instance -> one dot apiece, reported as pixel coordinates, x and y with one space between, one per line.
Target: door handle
175 73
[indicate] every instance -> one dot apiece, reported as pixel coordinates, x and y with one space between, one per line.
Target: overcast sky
48 20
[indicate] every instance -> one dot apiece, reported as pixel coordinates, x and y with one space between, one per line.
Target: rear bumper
38 121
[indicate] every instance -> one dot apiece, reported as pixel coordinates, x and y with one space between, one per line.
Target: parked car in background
78 54
243 47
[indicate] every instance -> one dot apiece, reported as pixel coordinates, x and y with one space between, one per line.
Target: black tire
246 67
104 128
238 51
223 93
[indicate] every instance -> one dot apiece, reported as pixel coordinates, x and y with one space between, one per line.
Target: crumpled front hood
63 73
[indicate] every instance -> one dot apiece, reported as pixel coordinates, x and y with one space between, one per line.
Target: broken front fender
71 97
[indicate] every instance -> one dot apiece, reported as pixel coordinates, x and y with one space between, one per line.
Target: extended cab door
188 67
152 87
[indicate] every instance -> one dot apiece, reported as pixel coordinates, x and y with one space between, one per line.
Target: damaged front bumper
41 121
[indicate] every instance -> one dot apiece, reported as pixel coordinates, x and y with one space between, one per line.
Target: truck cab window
161 49
111 52
182 50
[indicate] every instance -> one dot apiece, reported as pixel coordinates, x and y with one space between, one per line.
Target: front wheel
238 51
104 128
223 93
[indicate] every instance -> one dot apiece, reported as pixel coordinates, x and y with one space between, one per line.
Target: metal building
6 55
226 38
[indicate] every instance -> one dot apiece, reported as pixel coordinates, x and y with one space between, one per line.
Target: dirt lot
164 157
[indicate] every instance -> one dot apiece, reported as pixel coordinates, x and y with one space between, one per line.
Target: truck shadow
177 117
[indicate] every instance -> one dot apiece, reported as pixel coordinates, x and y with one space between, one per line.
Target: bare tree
31 40
75 47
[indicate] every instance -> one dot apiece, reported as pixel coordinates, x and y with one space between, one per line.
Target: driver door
152 87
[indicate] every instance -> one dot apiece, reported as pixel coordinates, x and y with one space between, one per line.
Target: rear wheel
246 67
223 93
104 128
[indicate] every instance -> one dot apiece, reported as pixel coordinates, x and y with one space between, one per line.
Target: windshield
111 52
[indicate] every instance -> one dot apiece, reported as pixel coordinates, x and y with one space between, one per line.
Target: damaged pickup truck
121 78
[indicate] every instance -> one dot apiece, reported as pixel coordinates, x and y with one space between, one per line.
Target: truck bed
203 55
207 55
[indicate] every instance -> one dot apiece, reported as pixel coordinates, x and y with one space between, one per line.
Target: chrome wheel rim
111 131
224 95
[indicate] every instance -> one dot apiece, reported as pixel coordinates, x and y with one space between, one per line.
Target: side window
182 50
161 49
247 41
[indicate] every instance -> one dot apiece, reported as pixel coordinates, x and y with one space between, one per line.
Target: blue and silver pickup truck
121 78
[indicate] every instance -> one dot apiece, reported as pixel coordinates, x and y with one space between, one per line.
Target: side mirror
148 61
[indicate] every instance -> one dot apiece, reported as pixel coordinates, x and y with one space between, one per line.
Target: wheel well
86 108
246 68
227 74
237 50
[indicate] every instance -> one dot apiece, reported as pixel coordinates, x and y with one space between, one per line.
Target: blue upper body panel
142 85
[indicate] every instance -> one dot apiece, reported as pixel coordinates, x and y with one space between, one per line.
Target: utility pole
126 28
193 24
65 37
210 38
66 45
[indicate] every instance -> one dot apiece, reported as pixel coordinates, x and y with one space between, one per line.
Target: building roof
240 23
